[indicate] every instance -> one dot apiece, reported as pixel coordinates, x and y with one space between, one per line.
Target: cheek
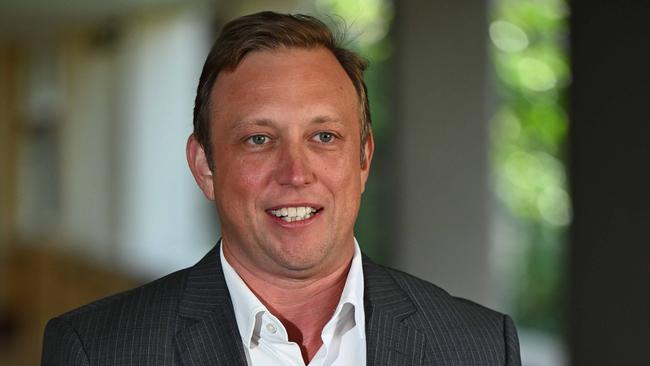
342 178
250 174
240 179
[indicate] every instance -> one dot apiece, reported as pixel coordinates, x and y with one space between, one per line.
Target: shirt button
271 328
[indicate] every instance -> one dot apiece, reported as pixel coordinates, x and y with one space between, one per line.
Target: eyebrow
240 125
326 119
265 122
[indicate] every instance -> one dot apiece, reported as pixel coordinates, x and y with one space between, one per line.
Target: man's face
287 176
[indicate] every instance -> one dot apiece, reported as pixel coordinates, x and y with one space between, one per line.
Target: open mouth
295 213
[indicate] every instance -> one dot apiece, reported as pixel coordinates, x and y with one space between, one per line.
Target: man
282 144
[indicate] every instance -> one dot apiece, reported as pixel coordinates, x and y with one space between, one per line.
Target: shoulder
446 320
144 317
428 296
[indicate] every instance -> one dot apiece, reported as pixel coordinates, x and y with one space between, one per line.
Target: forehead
286 77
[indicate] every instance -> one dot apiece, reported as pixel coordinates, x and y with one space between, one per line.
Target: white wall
163 221
85 146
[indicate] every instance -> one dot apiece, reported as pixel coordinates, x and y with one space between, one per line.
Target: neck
303 306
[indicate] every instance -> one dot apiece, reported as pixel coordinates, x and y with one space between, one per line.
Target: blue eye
325 137
258 139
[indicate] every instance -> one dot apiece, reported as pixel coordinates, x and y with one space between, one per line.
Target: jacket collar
209 332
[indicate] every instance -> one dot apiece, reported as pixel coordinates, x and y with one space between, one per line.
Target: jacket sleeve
62 346
513 357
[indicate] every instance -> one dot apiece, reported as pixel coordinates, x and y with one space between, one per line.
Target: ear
199 166
368 150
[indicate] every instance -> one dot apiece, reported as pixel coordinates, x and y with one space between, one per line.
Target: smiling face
287 177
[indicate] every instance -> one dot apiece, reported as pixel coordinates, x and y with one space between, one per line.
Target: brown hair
268 31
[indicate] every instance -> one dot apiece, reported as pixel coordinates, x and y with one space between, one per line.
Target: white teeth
291 214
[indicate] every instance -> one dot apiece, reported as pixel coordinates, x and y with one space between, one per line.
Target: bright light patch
535 74
508 37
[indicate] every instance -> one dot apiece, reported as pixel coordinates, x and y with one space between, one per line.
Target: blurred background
511 165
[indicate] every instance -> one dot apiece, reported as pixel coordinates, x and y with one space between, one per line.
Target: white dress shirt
265 339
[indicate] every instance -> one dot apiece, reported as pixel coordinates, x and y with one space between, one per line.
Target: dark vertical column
610 173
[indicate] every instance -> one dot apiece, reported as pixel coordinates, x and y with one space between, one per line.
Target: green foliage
528 149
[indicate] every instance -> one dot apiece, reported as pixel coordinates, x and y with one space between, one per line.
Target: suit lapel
209 334
389 340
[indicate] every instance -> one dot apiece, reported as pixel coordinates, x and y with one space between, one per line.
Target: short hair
270 31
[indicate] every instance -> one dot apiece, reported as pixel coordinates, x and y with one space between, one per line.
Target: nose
293 167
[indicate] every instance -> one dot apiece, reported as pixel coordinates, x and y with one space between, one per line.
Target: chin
302 259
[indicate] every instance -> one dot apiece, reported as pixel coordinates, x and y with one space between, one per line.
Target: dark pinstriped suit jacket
186 318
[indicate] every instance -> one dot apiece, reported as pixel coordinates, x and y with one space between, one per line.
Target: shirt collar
353 292
247 306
